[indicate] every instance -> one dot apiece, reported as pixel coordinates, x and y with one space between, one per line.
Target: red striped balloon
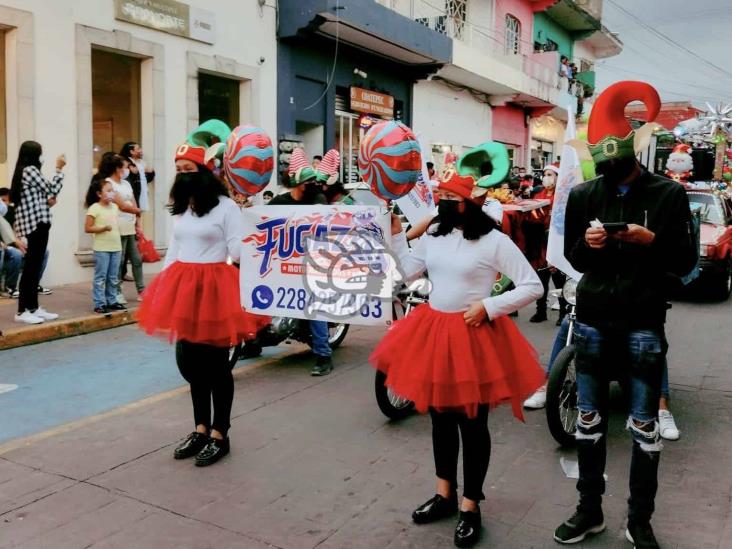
248 160
389 160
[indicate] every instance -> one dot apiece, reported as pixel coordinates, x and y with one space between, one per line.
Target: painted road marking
7 387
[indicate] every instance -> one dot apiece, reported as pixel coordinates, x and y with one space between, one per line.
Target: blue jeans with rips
602 355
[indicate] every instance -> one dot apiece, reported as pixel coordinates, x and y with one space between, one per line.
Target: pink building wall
509 127
523 10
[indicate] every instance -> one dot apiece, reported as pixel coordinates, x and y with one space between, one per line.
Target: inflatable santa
679 164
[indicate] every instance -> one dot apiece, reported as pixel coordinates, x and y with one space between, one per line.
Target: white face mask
41 160
125 173
109 196
549 181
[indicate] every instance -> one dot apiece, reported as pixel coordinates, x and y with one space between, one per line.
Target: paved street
314 463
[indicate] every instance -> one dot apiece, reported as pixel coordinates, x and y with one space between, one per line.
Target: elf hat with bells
301 171
609 134
466 177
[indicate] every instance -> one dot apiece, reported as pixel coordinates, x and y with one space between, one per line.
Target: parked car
715 249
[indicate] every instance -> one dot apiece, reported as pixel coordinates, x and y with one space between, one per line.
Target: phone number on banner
300 300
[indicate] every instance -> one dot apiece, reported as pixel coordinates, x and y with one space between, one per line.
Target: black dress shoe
214 451
467 531
539 316
436 508
194 443
116 307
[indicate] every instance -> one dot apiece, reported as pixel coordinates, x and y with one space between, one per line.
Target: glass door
347 141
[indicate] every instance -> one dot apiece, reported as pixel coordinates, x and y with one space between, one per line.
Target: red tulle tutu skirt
437 361
200 303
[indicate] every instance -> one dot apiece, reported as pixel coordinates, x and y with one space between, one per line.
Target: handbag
147 250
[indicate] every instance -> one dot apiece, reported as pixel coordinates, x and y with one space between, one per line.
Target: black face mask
615 172
449 213
311 191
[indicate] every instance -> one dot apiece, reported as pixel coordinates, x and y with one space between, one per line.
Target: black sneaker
436 508
116 307
323 366
101 310
579 526
641 536
44 291
194 443
467 532
213 452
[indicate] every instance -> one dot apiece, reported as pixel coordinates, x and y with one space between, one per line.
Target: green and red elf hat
609 133
301 171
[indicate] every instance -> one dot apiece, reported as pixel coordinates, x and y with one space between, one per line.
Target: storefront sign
318 263
168 16
372 102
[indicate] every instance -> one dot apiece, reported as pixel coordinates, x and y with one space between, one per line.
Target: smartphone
611 228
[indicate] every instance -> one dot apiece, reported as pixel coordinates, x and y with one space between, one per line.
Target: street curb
60 329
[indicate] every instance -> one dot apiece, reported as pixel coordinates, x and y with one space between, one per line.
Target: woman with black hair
195 300
33 196
459 355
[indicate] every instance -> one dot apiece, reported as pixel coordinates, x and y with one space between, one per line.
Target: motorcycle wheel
336 334
561 398
234 354
392 406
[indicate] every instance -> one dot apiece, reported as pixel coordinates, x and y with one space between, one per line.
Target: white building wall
445 117
50 105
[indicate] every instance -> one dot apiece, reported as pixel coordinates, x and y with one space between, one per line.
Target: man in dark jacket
629 233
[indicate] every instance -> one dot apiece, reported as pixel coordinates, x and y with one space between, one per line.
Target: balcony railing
448 17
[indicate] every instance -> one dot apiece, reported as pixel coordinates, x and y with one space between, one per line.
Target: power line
669 40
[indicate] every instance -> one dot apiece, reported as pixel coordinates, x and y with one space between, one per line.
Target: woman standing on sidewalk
459 355
195 299
33 196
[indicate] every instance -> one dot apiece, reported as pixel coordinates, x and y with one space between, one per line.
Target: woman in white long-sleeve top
195 300
459 355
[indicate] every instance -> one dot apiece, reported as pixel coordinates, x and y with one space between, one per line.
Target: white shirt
3 208
208 239
464 271
126 220
144 201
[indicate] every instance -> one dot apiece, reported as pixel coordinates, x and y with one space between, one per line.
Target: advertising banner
318 263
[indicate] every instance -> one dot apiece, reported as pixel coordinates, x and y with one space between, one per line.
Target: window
457 12
513 35
218 97
115 101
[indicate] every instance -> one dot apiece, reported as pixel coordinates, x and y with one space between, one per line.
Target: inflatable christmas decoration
680 164
248 160
389 160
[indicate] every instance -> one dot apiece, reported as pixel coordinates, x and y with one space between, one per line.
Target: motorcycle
561 391
285 330
392 405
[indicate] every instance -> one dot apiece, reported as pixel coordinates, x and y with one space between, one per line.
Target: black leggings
207 370
559 279
32 265
476 449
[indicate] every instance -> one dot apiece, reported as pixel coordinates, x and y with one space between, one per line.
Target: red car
715 249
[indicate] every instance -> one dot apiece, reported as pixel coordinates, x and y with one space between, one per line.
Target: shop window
218 97
115 101
513 35
4 176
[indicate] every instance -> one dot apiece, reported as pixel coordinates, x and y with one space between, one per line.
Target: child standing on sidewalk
101 221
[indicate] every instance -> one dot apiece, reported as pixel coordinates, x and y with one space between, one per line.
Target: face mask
448 210
109 196
615 172
125 173
549 181
41 160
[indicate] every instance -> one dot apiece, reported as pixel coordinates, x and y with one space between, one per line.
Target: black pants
207 370
559 278
476 449
31 277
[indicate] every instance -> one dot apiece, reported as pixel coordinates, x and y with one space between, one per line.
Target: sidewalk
74 305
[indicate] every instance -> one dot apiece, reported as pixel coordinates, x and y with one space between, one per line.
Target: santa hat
461 185
552 167
681 148
300 169
609 134
186 151
328 168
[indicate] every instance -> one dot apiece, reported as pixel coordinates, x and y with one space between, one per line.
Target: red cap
461 185
186 151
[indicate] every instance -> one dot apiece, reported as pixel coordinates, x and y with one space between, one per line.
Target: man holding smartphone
626 231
